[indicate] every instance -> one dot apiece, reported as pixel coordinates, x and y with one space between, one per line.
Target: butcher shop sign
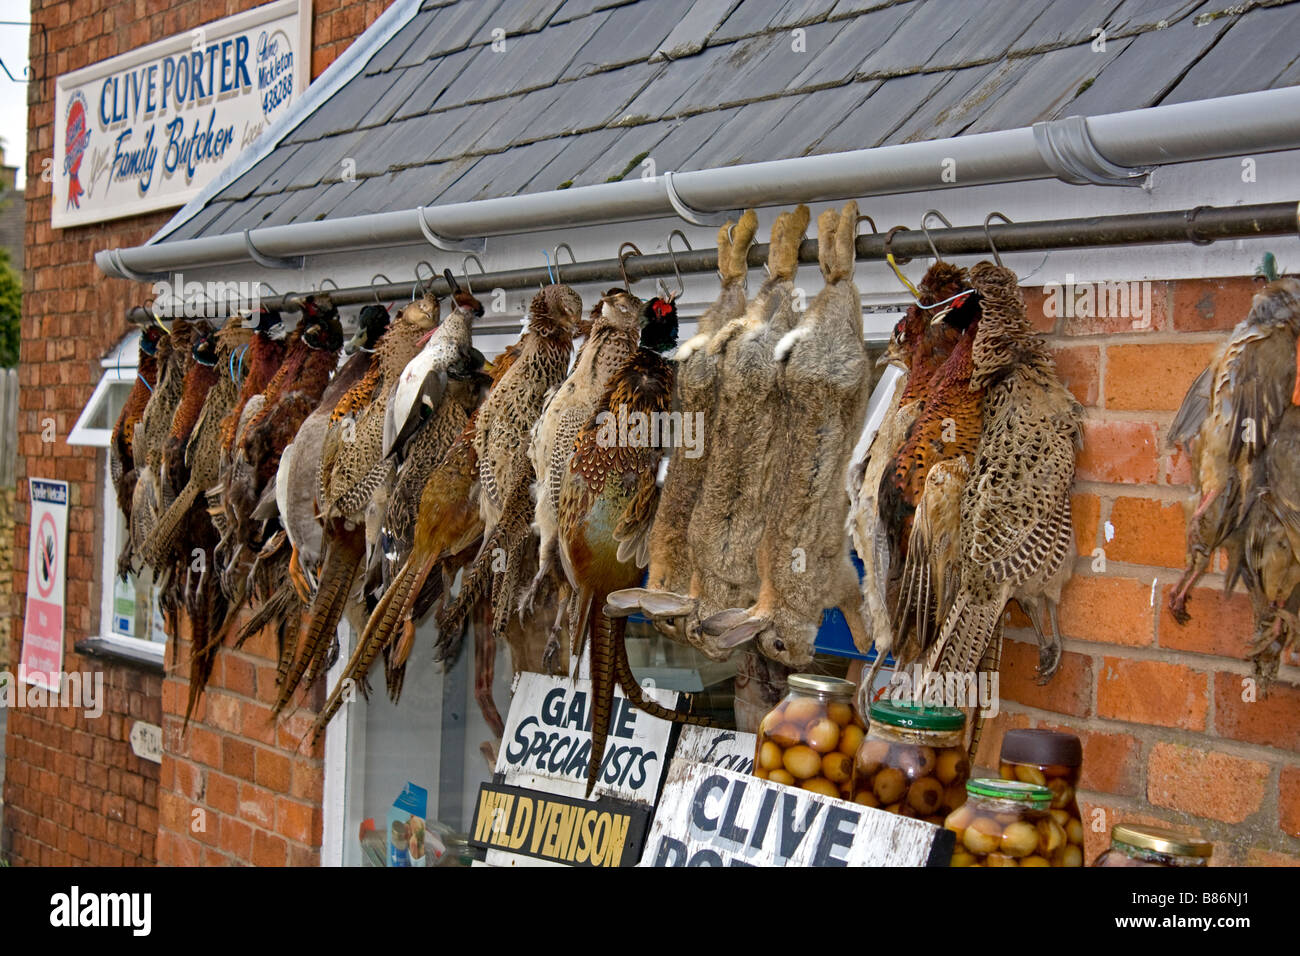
148 129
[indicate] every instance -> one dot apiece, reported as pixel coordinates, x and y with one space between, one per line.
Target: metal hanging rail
1201 225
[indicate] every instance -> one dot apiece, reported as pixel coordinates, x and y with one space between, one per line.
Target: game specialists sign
148 129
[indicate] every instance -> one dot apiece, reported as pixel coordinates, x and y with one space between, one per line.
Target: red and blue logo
76 138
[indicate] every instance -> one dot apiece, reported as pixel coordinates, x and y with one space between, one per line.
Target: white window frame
120 366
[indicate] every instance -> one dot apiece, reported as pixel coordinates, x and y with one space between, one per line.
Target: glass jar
808 740
913 760
1134 845
1052 759
1008 823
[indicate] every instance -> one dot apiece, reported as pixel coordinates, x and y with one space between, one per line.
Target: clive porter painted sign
148 129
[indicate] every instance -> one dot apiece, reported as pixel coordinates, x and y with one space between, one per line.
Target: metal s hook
419 282
572 258
672 254
996 258
894 263
925 228
464 268
622 263
373 291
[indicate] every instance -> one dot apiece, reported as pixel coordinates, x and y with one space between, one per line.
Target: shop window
129 617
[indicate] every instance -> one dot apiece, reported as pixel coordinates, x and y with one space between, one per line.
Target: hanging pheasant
696 397
1237 424
121 459
353 468
1016 536
824 379
501 445
919 346
151 431
607 503
185 538
448 523
616 322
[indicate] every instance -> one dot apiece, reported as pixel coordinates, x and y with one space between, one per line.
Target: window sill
137 654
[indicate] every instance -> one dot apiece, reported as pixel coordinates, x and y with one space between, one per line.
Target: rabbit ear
738 245
826 224
845 241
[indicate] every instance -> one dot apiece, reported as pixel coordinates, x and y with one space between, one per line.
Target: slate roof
586 89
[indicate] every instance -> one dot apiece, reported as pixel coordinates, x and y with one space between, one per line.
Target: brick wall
1167 735
74 792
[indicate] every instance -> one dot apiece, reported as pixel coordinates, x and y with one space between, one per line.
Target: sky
13 96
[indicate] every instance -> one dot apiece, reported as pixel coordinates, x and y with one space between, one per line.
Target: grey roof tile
391 145
502 174
1150 66
453 28
663 96
631 142
406 81
1249 56
888 107
1066 23
735 139
325 203
247 184
345 108
528 61
695 28
1045 89
930 25
942 114
989 35
595 100
282 174
522 121
451 133
810 117
1149 14
774 63
628 34
290 204
199 222
387 56
578 153
842 57
573 9
439 75
683 140
960 111
524 16
753 16
844 7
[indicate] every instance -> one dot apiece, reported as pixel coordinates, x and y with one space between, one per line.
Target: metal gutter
1114 147
1201 225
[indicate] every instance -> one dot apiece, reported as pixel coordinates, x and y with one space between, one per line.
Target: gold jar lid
1160 840
821 684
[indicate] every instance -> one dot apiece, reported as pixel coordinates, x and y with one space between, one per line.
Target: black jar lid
1042 748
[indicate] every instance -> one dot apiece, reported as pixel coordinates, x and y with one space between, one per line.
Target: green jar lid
903 713
1038 797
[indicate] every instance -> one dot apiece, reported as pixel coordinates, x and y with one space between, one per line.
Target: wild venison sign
565 830
711 816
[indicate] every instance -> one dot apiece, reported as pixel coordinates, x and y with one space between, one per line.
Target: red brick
1269 719
236 838
1119 452
273 770
1069 691
1108 610
1212 304
223 793
257 805
1120 317
239 677
1080 370
1152 692
1219 625
297 821
1085 513
1153 376
1205 783
269 850
237 759
1262 857
1147 531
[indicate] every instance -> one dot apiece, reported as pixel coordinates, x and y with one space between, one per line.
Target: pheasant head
659 325
555 312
